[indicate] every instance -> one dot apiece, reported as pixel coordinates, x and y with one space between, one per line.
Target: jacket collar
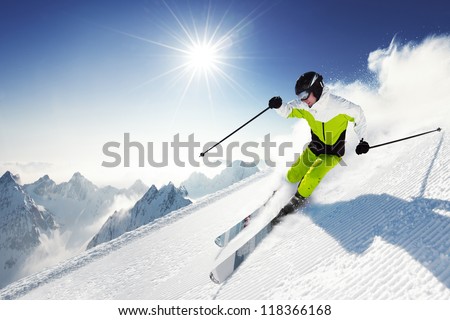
323 98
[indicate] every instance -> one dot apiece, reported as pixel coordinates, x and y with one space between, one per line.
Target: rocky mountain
154 204
199 185
22 222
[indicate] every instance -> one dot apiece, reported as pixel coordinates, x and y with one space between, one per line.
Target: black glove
275 102
362 147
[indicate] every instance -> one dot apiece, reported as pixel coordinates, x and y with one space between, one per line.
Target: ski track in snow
388 237
376 245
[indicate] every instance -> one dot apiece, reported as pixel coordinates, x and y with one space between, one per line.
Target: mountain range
42 218
66 214
79 204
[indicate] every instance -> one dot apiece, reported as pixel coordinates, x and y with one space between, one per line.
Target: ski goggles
304 95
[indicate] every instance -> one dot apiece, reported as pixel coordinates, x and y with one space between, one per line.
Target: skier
328 116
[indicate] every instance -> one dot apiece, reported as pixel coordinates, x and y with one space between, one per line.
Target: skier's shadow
421 227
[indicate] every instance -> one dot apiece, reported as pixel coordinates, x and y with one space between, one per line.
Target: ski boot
294 203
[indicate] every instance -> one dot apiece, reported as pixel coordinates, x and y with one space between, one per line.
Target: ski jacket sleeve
286 108
360 123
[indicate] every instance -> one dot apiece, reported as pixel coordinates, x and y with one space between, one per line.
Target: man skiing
328 116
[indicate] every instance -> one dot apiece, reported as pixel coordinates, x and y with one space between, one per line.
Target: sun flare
203 57
203 52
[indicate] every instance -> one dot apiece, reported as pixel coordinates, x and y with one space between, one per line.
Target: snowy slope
378 228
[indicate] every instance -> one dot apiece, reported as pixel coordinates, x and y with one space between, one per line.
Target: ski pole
204 152
420 134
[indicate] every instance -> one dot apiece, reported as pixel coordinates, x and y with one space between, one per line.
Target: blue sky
77 74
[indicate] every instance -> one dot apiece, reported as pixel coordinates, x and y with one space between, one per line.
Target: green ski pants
311 169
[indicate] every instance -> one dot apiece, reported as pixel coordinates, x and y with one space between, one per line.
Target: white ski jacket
328 119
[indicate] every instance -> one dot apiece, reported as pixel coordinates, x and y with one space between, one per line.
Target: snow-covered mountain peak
22 223
156 202
44 178
138 187
151 192
42 187
153 195
78 187
79 178
9 178
14 201
171 191
183 191
11 192
168 187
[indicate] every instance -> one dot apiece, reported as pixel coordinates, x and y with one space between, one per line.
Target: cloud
407 94
51 251
29 167
411 92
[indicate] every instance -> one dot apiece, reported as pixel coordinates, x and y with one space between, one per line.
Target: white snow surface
378 228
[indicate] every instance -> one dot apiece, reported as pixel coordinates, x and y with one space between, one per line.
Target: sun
206 51
203 57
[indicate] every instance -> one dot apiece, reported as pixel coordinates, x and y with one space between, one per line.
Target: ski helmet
309 82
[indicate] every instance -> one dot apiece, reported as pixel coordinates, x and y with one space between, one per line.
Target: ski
223 239
226 268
